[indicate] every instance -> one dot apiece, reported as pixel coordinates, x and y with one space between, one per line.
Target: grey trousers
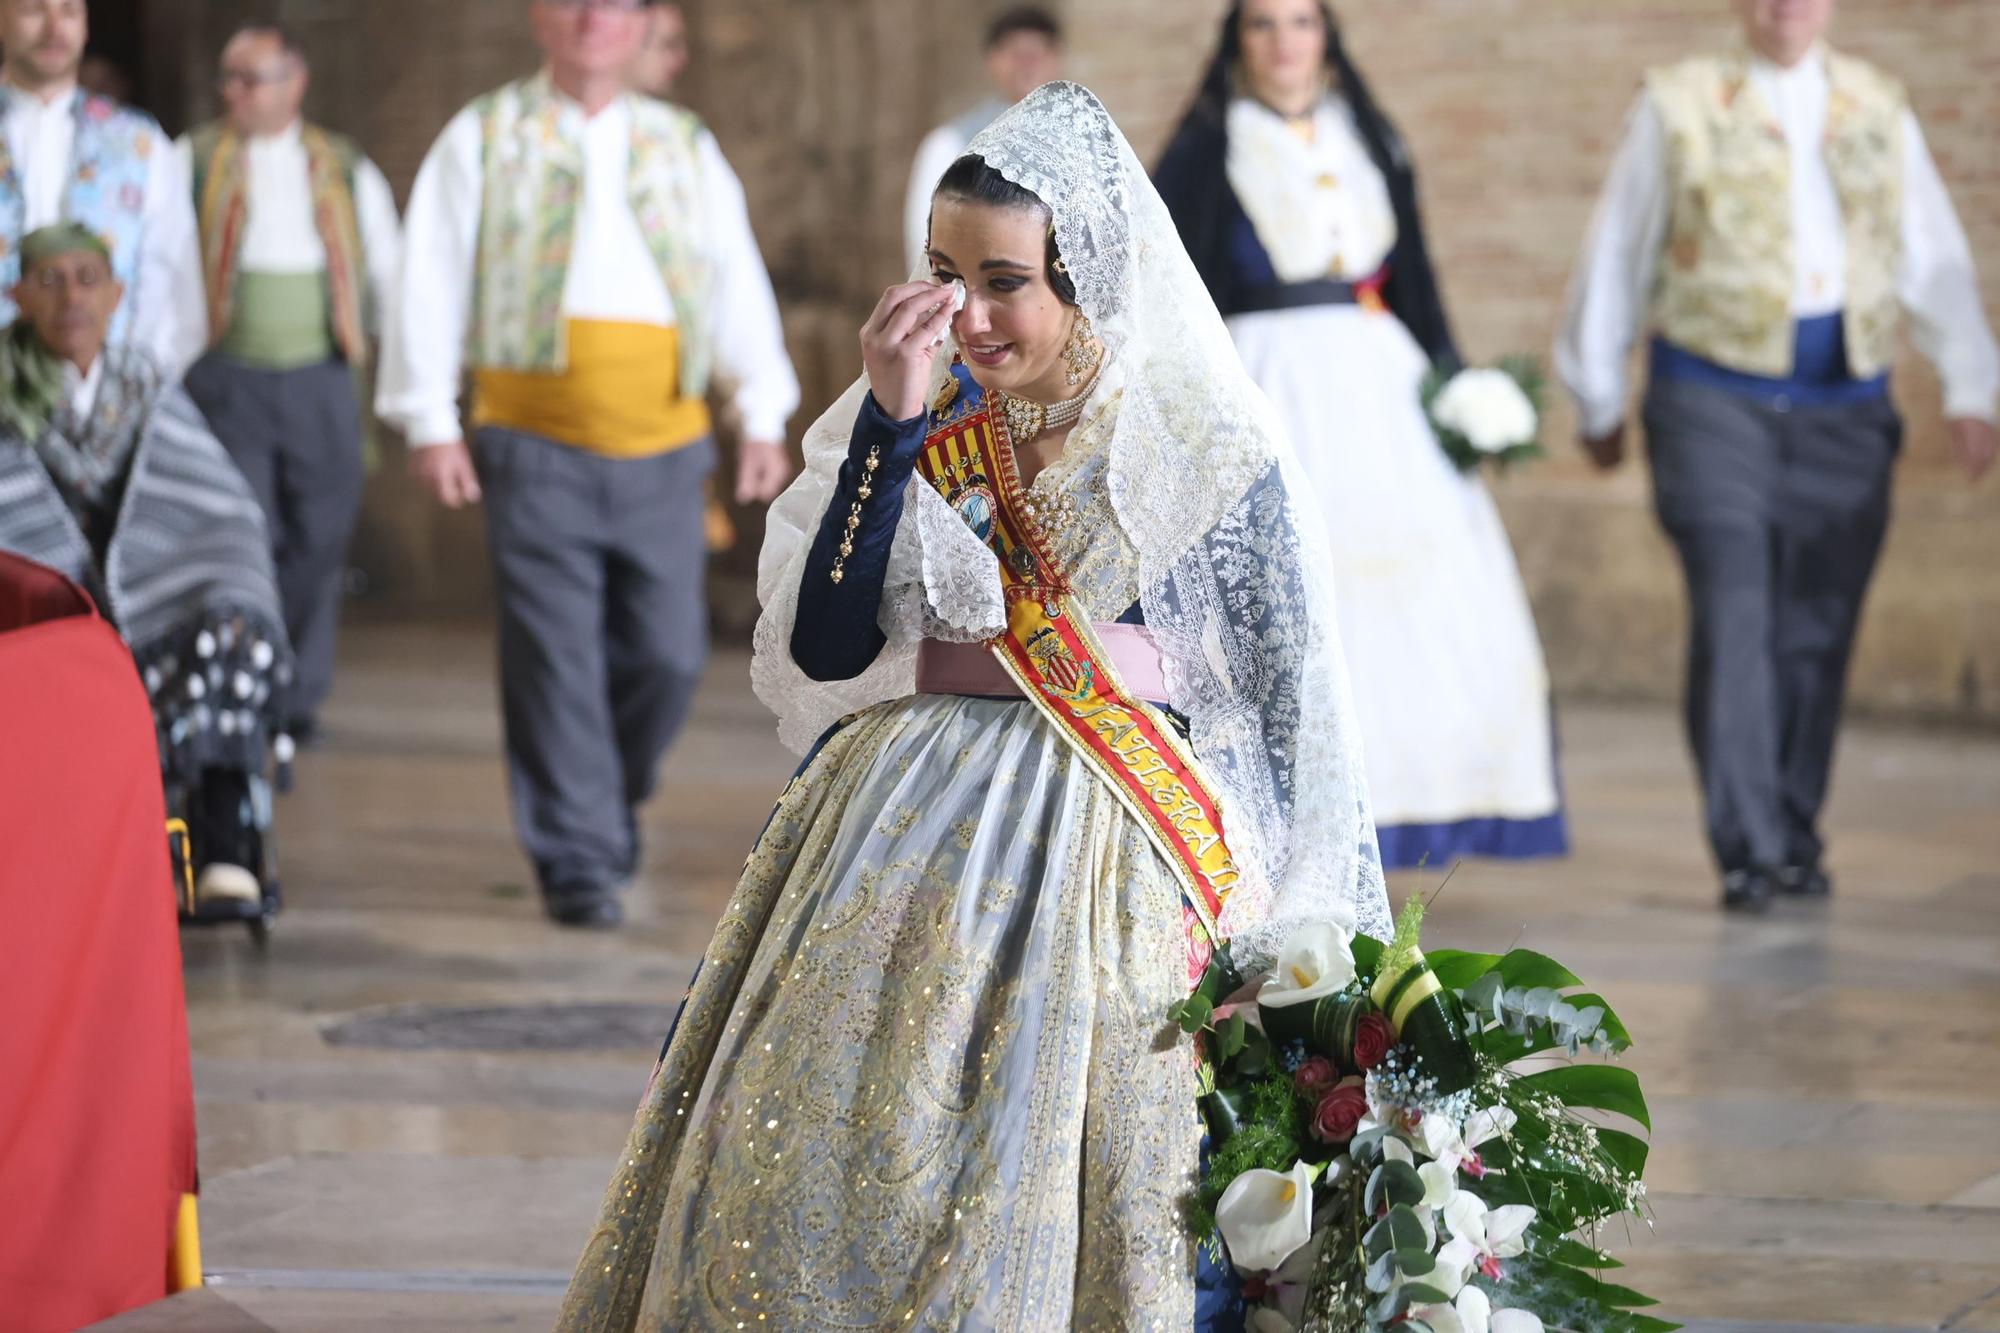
1778 514
296 437
599 564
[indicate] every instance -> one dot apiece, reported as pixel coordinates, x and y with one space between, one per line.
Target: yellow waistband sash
619 397
1051 652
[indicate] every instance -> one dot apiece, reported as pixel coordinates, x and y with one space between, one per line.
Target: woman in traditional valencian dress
1045 591
1296 200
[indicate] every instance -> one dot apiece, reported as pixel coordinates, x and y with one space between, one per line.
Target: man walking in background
1774 216
588 253
300 244
71 156
663 55
1023 51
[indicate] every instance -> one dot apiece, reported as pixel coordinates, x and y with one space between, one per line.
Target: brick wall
1512 108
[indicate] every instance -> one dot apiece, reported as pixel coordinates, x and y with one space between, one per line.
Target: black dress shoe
1747 891
585 910
1804 882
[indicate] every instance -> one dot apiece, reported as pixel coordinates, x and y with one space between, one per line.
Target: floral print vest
109 170
1724 289
533 189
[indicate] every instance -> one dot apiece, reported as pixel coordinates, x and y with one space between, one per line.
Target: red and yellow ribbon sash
1051 652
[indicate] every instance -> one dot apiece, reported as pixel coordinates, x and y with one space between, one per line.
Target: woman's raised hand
901 341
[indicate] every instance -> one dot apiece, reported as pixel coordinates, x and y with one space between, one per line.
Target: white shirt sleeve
1939 287
940 148
1611 289
749 335
169 297
381 237
424 321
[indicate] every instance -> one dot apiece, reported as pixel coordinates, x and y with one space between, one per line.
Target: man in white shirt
663 55
1023 51
72 156
587 253
1775 217
300 248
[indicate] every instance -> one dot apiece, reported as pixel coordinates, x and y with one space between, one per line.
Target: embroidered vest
222 205
1725 283
106 192
533 173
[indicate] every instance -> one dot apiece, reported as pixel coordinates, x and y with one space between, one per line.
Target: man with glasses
72 156
300 245
587 252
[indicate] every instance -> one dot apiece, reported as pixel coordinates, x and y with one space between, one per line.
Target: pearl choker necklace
1028 420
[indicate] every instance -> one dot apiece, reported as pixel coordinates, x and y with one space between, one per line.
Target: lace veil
1234 574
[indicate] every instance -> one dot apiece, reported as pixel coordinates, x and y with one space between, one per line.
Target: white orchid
1439 1182
1483 1126
1440 1185
1317 961
1266 1217
1442 1141
1472 1312
1480 1238
1446 1145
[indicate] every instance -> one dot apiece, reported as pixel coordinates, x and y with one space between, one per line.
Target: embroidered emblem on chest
1063 675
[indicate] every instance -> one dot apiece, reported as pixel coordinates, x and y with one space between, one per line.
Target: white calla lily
1266 1216
1317 961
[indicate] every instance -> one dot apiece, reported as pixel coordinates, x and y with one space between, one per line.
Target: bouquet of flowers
1395 1139
1487 414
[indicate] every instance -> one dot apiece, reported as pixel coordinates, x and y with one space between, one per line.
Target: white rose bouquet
1487 414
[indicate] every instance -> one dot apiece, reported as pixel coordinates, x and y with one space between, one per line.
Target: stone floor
1825 1083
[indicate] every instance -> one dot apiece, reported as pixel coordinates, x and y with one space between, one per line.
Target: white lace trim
1234 572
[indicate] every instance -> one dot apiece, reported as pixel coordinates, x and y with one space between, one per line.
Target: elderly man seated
111 476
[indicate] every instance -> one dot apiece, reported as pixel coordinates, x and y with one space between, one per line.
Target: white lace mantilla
1233 569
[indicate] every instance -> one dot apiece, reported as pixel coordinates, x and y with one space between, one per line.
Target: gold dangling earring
1081 352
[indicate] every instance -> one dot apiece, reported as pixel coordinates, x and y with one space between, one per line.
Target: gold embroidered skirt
924 1078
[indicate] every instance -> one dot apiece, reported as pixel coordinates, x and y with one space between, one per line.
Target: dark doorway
115 63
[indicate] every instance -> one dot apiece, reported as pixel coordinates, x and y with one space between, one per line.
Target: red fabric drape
96 1097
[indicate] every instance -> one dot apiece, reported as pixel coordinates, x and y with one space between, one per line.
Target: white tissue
957 304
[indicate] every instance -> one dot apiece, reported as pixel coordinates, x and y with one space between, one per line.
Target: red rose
1339 1112
1315 1078
1372 1039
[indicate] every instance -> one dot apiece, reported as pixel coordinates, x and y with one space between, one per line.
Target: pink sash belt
971 668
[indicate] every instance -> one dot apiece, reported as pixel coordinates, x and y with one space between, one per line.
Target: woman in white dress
1067 647
1296 200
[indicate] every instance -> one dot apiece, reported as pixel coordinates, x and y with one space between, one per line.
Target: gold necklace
1028 420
